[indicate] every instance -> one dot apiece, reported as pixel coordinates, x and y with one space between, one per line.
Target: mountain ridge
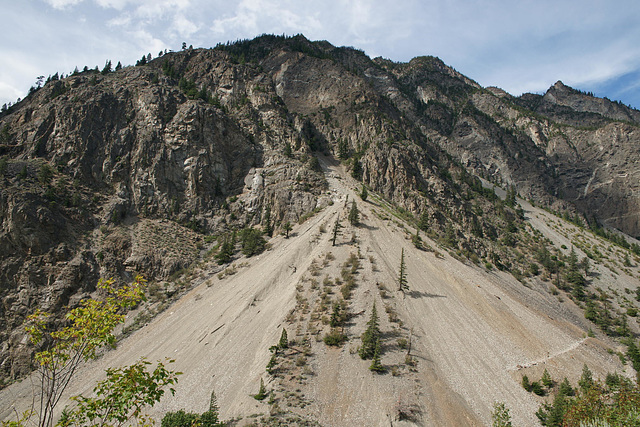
150 168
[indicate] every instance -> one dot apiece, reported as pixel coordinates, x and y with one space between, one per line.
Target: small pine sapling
354 214
364 193
336 228
284 341
286 227
370 336
402 276
417 240
262 391
376 365
546 379
273 361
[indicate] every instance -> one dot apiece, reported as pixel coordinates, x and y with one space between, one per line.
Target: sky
517 45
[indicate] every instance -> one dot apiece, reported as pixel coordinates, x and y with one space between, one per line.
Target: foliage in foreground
616 402
500 415
123 395
180 418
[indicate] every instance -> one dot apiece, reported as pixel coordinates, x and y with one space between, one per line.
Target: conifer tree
354 214
376 365
370 336
272 363
262 391
546 379
417 240
336 228
267 226
565 388
226 251
364 193
107 67
284 341
424 221
501 416
402 276
213 403
286 227
586 380
343 149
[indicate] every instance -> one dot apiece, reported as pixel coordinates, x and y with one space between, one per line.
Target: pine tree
262 391
376 365
267 226
565 388
417 240
546 379
213 403
354 214
273 361
284 341
286 227
226 251
252 241
586 380
424 221
364 193
356 170
343 149
370 336
402 276
336 228
107 67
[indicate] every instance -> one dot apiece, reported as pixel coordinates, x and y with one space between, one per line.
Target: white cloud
113 4
183 26
156 9
62 4
9 93
122 20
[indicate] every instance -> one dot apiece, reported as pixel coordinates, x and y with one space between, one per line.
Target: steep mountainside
152 168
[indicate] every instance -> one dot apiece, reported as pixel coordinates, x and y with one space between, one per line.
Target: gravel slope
475 333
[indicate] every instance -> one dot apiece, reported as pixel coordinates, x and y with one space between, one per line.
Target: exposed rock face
104 175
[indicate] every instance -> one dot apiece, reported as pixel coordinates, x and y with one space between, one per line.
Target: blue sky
518 45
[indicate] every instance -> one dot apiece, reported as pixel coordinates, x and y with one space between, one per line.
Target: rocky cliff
141 169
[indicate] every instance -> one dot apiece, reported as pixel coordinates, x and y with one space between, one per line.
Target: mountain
149 169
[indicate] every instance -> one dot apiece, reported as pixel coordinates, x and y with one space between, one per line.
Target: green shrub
252 241
536 388
335 338
179 419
